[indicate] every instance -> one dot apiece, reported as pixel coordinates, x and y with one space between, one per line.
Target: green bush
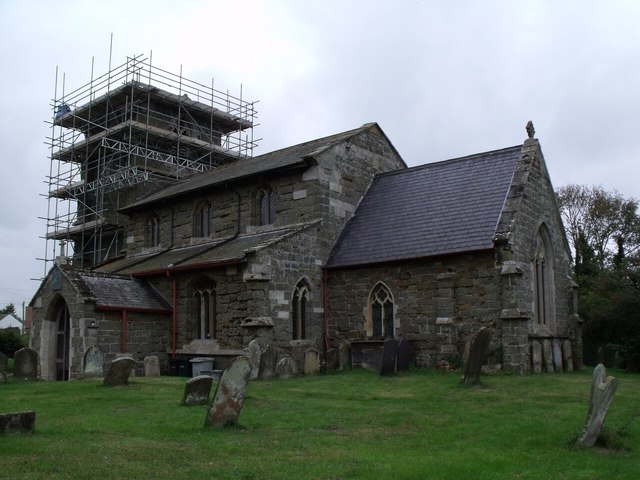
11 341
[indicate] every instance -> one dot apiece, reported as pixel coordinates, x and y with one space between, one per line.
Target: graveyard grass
419 424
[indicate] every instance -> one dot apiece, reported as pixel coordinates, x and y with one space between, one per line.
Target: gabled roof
222 252
296 156
117 292
434 209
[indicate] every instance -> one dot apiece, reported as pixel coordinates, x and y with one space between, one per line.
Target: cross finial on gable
530 130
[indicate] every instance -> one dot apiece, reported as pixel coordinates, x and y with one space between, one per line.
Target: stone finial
530 130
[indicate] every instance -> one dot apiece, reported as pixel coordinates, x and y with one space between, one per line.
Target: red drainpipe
124 331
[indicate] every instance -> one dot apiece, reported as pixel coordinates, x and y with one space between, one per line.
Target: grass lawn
421 424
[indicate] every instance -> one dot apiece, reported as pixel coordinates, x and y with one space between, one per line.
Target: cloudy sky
443 79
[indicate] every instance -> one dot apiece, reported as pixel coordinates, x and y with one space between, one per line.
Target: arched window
381 323
299 310
204 303
152 231
62 342
202 225
266 206
543 288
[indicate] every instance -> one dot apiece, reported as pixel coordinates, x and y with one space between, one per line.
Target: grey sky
442 78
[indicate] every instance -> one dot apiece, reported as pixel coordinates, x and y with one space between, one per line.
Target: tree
604 232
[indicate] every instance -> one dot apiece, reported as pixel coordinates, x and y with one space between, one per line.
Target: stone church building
330 242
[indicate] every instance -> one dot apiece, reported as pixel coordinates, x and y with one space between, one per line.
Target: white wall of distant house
9 321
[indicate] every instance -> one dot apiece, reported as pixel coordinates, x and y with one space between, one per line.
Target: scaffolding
125 134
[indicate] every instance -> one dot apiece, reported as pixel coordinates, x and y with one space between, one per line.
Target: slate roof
434 209
226 251
278 160
118 292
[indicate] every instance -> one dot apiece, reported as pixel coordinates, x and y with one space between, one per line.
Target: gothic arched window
204 306
202 225
543 288
152 231
266 206
381 323
299 310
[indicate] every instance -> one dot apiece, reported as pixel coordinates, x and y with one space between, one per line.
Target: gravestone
547 353
25 364
18 422
151 366
344 357
4 361
603 389
311 362
254 352
333 359
567 356
268 363
227 401
477 353
536 357
405 355
286 367
118 371
557 355
197 390
389 356
93 362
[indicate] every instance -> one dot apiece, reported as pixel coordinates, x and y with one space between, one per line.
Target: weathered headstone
333 359
603 389
151 366
227 401
477 354
557 355
197 390
567 356
4 361
93 362
311 362
118 371
344 357
389 357
128 355
268 363
405 355
18 422
25 364
547 352
536 357
286 367
254 352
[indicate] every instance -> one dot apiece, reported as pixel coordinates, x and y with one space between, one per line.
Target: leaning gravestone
389 356
405 355
4 361
557 355
344 357
547 353
93 362
254 352
477 353
268 363
197 390
118 371
603 389
333 359
567 356
25 364
227 401
536 356
151 366
311 362
286 367
18 422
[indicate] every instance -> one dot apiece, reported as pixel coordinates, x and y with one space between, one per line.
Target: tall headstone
477 353
25 364
311 361
254 352
567 356
389 357
93 362
557 355
344 357
197 390
333 359
286 367
118 371
268 363
603 389
547 353
405 355
227 401
4 361
536 357
151 366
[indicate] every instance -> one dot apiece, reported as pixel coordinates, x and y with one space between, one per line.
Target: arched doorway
62 322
